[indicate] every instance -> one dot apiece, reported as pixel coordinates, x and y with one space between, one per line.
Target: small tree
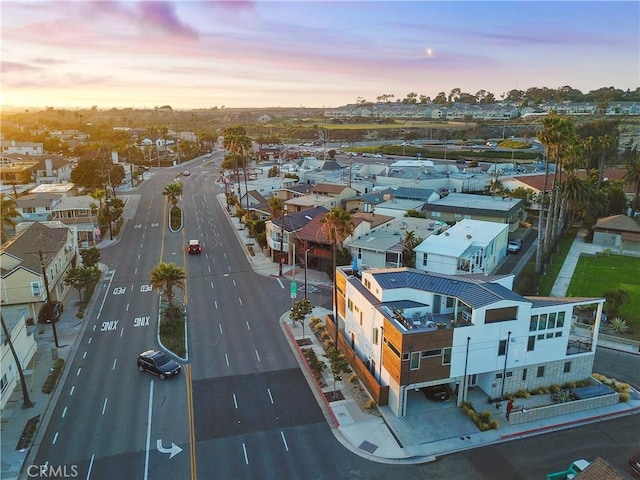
90 256
166 276
300 310
338 365
82 278
615 299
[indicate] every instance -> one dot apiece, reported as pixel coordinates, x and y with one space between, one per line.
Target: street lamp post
50 315
306 252
281 261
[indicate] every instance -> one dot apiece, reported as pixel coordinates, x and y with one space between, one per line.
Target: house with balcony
24 344
23 259
28 149
470 246
53 169
37 207
404 329
80 214
456 206
17 170
281 232
383 247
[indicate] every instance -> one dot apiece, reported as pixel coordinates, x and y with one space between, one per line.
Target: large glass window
533 324
560 322
542 322
415 360
551 321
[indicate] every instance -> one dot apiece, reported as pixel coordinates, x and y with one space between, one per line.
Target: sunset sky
202 54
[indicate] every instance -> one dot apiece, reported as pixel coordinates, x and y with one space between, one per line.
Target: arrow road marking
174 450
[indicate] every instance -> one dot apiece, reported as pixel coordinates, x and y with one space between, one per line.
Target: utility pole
50 315
26 400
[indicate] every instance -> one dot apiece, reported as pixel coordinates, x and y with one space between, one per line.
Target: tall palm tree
239 145
576 194
556 135
165 277
631 179
9 213
173 191
337 226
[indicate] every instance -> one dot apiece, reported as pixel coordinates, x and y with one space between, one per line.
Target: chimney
48 165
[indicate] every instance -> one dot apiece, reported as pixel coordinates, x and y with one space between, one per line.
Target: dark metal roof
295 221
473 292
402 304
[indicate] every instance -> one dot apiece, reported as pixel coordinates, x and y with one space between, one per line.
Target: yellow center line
192 434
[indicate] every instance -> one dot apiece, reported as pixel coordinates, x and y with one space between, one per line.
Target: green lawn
595 275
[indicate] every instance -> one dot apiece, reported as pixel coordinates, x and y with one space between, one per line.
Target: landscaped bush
371 404
585 382
522 393
54 374
554 388
315 364
539 391
568 385
483 421
612 383
314 321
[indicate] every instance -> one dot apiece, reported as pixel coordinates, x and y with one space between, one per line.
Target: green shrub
623 397
522 393
54 374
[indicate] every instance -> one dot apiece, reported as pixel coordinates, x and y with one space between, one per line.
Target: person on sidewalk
509 408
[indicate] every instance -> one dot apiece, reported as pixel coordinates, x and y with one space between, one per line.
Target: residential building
619 233
37 207
470 246
406 329
37 248
456 206
32 149
80 214
280 232
22 339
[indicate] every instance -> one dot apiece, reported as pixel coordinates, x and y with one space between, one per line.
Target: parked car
514 246
158 363
194 247
438 393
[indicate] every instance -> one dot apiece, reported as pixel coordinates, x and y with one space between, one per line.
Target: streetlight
284 210
305 273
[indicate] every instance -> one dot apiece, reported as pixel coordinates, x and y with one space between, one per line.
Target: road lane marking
192 430
64 412
240 300
127 309
226 357
89 341
90 467
104 406
94 328
84 355
246 458
121 332
248 326
220 327
55 438
148 448
211 284
114 364
215 302
104 298
234 283
78 372
257 354
284 440
235 401
229 267
72 389
270 397
280 282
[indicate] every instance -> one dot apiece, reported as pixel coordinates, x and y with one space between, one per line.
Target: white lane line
90 467
115 360
257 354
220 327
226 357
270 397
284 440
211 284
84 355
104 299
215 302
55 438
146 456
235 401
127 307
94 328
280 282
210 272
90 339
64 412
225 253
121 332
104 406
248 326
240 300
234 283
72 389
229 267
78 372
244 449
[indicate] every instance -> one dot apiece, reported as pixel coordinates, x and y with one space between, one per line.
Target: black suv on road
158 363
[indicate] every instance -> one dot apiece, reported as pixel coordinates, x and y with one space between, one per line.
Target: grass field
595 275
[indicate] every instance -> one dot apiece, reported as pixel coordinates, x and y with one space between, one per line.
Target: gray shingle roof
475 293
37 238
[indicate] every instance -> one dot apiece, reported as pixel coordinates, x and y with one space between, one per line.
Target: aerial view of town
320 240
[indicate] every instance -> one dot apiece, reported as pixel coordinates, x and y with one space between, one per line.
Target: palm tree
276 206
9 212
410 242
576 195
166 276
337 226
631 179
239 145
173 191
556 135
